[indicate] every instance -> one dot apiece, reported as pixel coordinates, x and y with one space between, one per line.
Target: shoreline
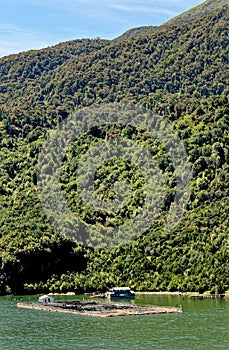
165 293
99 309
187 295
160 293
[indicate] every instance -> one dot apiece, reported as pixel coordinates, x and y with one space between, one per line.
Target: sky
35 24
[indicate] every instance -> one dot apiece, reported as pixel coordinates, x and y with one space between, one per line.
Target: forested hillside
181 73
199 11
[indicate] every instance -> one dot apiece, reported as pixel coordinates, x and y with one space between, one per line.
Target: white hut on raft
45 299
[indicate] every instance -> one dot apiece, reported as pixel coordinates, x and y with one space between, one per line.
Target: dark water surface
204 324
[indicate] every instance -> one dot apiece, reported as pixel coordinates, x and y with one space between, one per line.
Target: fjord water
204 324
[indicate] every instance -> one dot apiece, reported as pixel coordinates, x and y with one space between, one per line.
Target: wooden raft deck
99 309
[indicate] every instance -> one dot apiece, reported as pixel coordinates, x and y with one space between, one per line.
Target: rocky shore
93 308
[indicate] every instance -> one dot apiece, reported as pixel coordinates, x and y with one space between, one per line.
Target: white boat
45 299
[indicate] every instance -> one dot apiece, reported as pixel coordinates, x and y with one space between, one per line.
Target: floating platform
93 308
207 296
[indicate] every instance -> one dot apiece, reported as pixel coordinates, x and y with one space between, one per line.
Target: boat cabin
120 292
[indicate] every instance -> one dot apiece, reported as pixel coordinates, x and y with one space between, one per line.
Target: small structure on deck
120 292
45 299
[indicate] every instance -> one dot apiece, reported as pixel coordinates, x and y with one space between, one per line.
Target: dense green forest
180 72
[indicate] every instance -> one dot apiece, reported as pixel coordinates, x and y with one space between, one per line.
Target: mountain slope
137 32
180 72
198 11
181 59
